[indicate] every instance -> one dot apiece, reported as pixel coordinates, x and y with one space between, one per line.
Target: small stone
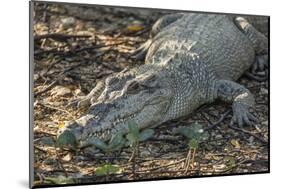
145 153
218 137
67 157
78 92
35 77
251 140
68 22
60 91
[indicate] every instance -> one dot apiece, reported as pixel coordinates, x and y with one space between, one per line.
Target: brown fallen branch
75 51
56 108
59 37
40 149
49 87
59 77
44 132
165 166
212 125
249 133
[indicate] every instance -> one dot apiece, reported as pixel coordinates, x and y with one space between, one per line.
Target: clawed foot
260 65
242 116
259 70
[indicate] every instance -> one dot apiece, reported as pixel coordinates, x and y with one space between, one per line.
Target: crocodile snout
67 136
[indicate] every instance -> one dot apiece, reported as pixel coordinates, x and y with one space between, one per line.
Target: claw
247 120
242 116
261 64
252 117
240 120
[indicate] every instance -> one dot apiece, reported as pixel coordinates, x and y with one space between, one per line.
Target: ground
77 46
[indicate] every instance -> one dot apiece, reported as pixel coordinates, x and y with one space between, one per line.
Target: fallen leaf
134 28
235 143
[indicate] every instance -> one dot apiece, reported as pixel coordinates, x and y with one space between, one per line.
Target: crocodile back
215 39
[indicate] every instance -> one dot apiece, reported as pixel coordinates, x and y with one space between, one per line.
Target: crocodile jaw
146 104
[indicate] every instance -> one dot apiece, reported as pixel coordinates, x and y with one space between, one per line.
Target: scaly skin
191 59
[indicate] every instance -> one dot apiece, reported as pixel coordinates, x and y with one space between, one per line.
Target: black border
31 49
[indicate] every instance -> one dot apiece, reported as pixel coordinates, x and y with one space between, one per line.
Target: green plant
107 169
194 135
116 143
135 136
59 180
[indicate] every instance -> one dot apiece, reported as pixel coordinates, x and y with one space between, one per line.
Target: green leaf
67 139
48 141
196 130
133 128
146 134
95 142
230 161
60 180
193 143
185 131
131 138
106 169
116 142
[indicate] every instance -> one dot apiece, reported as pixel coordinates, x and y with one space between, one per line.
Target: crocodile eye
133 87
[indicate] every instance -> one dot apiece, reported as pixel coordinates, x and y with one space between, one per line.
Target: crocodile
191 59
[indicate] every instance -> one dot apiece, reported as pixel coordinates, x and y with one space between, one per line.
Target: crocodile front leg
241 99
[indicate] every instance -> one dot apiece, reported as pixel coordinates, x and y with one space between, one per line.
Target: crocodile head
142 94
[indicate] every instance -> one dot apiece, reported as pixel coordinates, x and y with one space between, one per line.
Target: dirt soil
74 48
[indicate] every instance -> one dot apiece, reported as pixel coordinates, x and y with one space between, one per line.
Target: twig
59 77
41 180
145 30
40 149
58 109
133 158
60 164
44 132
167 165
75 51
187 159
61 170
46 89
212 125
59 36
249 133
